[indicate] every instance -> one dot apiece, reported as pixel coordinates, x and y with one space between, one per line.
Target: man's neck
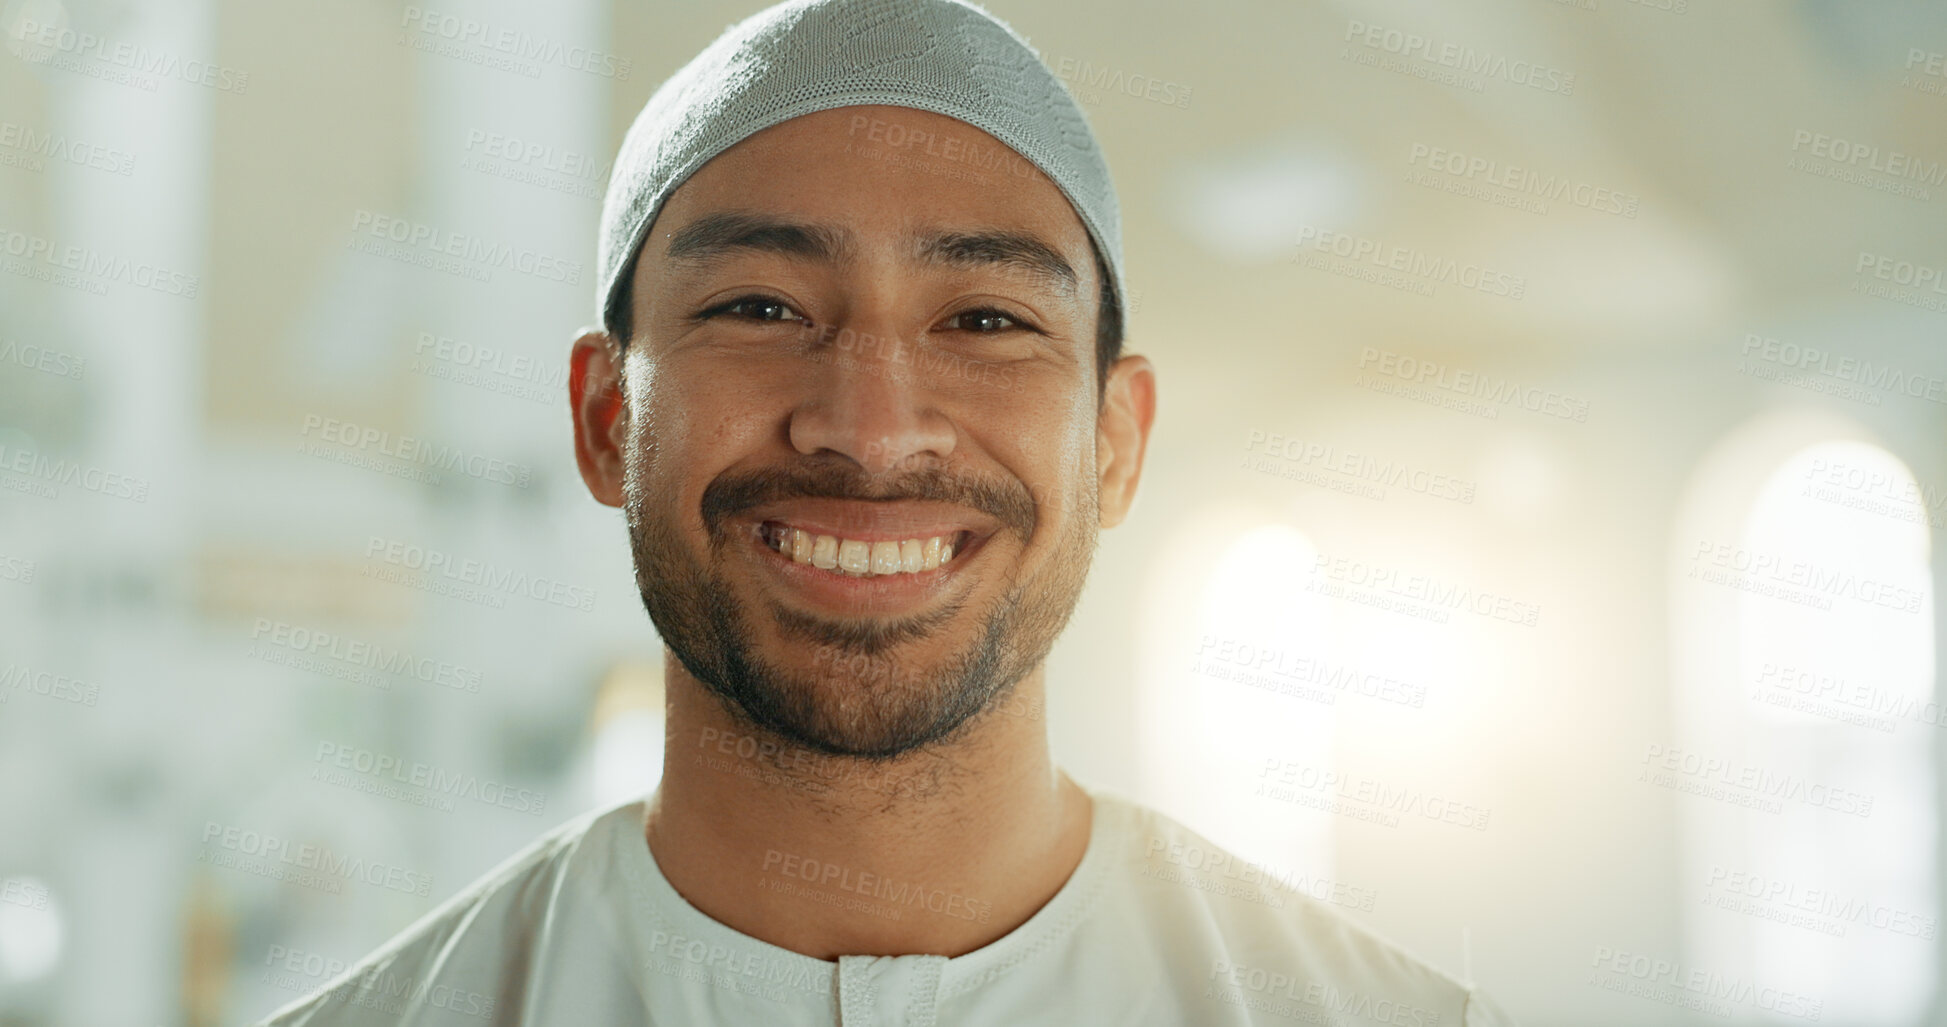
940 852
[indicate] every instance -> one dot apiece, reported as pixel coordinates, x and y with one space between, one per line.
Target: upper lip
876 521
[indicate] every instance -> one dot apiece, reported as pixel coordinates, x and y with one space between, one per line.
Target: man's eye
757 308
982 321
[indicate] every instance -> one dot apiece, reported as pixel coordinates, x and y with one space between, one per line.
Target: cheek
1048 444
1067 432
694 421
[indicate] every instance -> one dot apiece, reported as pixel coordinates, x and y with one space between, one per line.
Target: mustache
1004 499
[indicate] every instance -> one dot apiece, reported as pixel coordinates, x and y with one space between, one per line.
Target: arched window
1805 725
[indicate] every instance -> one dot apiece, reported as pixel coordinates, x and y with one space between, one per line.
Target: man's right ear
600 412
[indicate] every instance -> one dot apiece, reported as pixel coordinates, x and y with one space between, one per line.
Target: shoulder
454 964
1272 939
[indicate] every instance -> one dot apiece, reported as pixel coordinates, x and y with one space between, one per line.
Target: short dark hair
618 314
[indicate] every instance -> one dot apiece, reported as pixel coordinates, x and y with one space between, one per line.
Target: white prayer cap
944 56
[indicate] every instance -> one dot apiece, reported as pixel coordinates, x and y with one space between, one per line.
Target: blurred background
1536 558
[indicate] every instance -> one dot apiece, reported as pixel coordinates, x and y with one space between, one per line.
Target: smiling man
859 393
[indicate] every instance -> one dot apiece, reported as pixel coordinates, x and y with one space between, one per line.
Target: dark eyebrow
715 235
1016 250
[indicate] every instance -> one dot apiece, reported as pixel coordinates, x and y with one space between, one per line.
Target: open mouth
866 558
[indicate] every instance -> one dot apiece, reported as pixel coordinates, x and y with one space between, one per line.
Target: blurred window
1815 862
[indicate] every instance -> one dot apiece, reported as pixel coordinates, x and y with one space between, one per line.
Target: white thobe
1156 926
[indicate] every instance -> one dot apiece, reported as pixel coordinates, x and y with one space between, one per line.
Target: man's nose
866 401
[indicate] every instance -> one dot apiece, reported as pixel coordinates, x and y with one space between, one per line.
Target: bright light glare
30 929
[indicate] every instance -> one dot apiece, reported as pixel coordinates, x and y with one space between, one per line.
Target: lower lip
877 593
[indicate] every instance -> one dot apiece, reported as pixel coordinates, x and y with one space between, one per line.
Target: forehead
881 172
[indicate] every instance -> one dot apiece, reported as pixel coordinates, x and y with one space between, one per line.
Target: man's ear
600 412
1122 434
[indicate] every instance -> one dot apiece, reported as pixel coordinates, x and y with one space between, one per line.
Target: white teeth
824 552
863 559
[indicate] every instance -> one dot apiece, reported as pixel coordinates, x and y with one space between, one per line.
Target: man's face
858 434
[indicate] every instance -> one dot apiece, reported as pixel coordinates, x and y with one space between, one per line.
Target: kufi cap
944 56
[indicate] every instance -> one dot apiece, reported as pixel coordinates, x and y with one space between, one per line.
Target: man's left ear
1122 434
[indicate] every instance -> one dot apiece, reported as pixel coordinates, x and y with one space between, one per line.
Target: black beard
864 701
